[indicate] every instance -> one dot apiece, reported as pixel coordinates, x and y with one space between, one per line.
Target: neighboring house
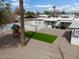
43 16
62 21
75 32
66 15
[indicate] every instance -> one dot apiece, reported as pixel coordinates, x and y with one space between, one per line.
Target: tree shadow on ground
8 41
61 52
27 41
67 35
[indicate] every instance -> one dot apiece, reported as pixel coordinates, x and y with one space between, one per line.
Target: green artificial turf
41 36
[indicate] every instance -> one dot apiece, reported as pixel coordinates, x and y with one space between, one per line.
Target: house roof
51 19
58 19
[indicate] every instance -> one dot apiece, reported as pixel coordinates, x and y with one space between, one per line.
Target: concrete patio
61 49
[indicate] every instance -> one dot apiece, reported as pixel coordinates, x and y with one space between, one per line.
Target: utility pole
22 23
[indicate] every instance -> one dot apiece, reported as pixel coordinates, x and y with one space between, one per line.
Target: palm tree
22 23
54 11
4 12
8 7
17 11
1 0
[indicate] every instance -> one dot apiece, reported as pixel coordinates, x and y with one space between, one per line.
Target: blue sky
41 5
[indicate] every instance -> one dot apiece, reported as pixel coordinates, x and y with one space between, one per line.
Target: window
76 32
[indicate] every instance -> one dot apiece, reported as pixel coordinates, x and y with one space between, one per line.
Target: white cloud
15 3
15 0
68 8
50 9
72 8
43 6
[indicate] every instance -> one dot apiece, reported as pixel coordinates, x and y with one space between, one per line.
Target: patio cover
57 24
74 25
50 19
66 21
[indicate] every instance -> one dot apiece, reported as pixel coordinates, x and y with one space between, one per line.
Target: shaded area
67 35
61 52
8 41
30 36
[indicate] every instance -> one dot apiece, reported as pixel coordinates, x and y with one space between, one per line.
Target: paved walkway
60 49
63 46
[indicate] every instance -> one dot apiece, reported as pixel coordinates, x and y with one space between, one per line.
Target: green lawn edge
41 36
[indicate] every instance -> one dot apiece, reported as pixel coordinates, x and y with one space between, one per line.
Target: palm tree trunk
54 11
22 23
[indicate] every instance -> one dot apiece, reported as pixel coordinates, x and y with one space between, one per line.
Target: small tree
38 13
46 12
63 12
17 11
3 20
8 7
54 7
30 14
4 11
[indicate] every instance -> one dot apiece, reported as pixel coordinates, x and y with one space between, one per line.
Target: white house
75 32
43 16
59 21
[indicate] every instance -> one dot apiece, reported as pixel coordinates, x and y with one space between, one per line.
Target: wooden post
22 23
